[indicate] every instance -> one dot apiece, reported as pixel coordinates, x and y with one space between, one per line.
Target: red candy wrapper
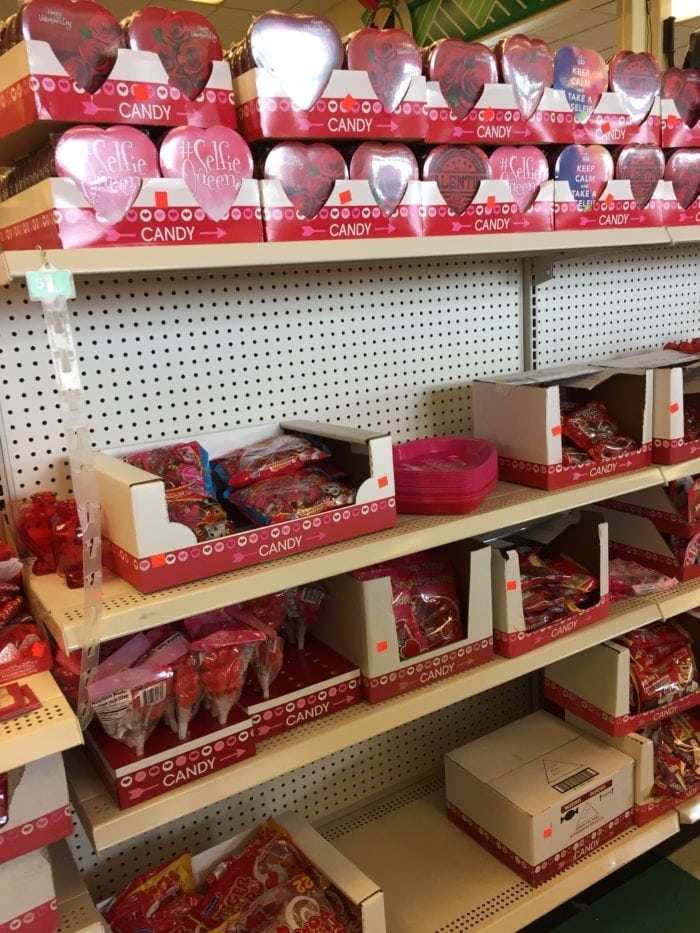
572 456
223 659
662 665
129 703
553 588
303 606
174 655
677 755
276 456
591 428
424 600
268 656
628 578
18 640
148 894
691 421
198 511
298 904
284 498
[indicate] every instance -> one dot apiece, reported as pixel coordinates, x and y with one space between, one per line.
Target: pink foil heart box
680 107
388 169
683 171
527 65
635 78
462 70
213 163
524 168
643 167
391 59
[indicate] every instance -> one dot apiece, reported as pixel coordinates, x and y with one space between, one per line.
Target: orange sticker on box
511 585
556 430
490 201
345 197
674 407
161 199
383 481
347 103
382 646
548 832
158 560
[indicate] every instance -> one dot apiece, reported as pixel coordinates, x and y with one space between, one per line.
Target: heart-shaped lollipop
525 168
300 50
644 167
587 169
682 86
683 171
83 35
391 59
635 78
583 77
307 173
527 65
388 168
458 171
461 69
213 163
108 166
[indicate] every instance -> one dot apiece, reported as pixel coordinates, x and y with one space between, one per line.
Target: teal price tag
50 284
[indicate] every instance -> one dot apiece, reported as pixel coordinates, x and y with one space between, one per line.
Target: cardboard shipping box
539 795
636 538
28 901
39 810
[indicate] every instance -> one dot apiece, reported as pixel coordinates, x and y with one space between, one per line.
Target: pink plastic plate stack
443 475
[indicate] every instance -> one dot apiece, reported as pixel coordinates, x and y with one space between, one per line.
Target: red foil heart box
185 42
680 108
527 65
339 103
391 59
306 173
682 175
643 167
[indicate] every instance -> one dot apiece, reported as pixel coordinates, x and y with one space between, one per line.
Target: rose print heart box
37 93
680 107
313 683
168 763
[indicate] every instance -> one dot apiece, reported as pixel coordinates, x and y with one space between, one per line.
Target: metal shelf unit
52 728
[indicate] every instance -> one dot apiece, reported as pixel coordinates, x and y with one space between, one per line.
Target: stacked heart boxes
367 136
66 66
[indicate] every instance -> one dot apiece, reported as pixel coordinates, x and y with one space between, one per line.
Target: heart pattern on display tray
461 70
583 77
527 65
391 59
185 42
213 163
644 167
587 169
458 171
83 35
108 166
635 78
683 171
682 86
307 173
525 168
300 50
388 168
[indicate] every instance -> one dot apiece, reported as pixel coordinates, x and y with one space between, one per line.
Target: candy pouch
182 464
222 659
677 755
146 894
276 456
297 904
591 428
198 511
284 498
19 640
628 578
11 602
129 703
268 654
183 700
664 681
303 607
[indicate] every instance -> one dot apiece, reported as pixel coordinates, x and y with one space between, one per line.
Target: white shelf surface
435 877
684 234
681 598
112 260
107 826
689 810
76 910
51 728
679 470
126 610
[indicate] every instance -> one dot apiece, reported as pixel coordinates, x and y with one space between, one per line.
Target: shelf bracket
542 270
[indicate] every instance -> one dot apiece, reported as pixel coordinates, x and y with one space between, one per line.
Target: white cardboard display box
595 685
521 414
152 553
539 795
656 505
39 810
358 621
28 902
583 539
636 538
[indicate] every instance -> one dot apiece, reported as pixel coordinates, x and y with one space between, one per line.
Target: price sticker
50 284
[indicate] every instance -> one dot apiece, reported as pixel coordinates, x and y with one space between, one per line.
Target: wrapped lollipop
223 659
268 656
130 703
183 700
303 607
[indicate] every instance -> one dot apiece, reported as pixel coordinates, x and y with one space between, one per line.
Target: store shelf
679 470
689 811
125 610
682 598
51 728
684 234
435 877
107 826
76 910
108 261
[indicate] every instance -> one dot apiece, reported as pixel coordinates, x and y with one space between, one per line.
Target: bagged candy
628 578
677 755
662 665
589 427
11 602
691 423
297 495
147 894
183 699
572 456
295 905
268 655
553 589
20 640
222 659
198 511
130 703
276 456
303 607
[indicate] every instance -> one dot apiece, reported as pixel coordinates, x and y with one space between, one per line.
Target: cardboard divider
635 537
585 541
656 504
152 553
358 621
28 894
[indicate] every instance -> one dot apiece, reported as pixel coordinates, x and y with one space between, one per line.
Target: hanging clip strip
53 288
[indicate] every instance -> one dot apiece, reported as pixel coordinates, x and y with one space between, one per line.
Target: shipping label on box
539 795
358 621
39 812
28 902
348 108
314 682
152 553
167 762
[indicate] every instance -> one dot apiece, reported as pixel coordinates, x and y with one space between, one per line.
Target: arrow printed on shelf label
91 108
218 233
308 230
113 236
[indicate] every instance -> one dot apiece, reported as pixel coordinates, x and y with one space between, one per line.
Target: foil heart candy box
583 77
107 166
307 173
300 50
185 42
213 163
525 168
527 65
83 35
635 78
457 171
587 169
391 59
683 171
643 167
461 69
387 168
682 86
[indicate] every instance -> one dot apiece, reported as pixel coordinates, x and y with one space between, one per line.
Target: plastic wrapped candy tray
443 475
